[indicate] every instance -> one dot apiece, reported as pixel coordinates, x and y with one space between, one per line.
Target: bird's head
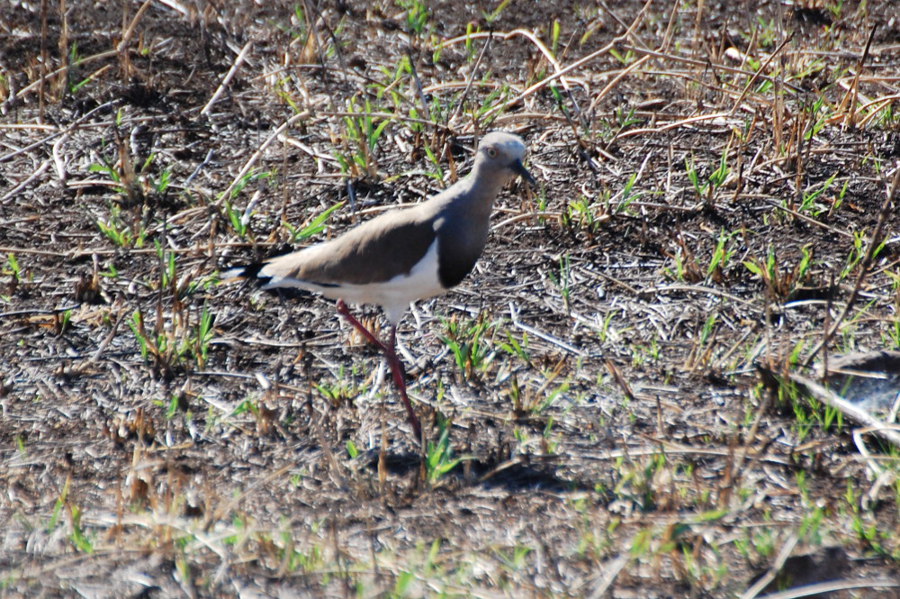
500 151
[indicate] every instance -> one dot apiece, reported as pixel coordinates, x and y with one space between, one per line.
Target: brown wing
376 251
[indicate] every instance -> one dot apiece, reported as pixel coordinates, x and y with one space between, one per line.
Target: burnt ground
711 204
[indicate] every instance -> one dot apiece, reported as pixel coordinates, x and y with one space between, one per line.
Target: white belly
394 295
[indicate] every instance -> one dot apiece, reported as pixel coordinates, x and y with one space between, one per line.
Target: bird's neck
482 185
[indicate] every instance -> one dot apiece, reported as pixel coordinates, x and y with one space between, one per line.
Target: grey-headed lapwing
405 254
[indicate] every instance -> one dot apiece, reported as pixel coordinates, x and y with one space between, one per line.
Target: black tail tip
244 272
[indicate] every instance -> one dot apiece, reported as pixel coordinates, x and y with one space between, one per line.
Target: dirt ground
616 380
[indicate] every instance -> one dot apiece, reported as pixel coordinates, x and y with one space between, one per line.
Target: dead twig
469 80
248 166
852 96
705 64
827 396
514 316
822 589
35 175
874 243
759 72
238 61
777 565
620 380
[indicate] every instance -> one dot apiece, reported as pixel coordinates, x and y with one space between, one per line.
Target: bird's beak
520 169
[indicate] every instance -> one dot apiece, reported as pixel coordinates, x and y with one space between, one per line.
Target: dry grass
715 201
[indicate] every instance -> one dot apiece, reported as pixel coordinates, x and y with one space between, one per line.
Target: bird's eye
491 152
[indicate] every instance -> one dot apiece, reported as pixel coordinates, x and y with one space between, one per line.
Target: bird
403 255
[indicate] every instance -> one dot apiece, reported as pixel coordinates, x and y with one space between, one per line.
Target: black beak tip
520 169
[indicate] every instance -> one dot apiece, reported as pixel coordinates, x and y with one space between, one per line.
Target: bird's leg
399 374
344 311
397 371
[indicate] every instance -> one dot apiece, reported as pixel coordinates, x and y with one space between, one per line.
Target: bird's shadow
513 475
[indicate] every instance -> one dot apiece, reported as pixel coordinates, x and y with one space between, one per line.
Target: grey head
499 156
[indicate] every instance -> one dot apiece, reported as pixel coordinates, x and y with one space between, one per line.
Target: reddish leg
397 371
